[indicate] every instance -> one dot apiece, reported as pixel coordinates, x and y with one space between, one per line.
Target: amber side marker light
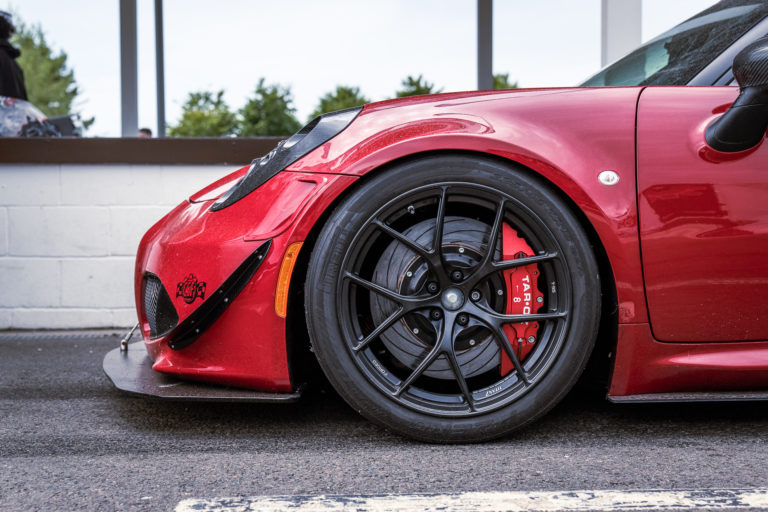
284 278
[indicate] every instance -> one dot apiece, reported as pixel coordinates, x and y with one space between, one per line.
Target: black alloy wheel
409 295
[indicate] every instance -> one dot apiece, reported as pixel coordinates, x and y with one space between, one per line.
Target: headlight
319 131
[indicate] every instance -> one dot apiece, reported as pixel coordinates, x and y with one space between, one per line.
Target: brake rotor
401 269
463 246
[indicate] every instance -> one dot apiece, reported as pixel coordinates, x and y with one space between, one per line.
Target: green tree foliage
343 97
415 87
205 114
269 112
50 85
501 81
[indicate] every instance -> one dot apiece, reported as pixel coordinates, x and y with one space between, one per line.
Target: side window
676 56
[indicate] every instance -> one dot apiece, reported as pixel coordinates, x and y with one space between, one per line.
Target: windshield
678 55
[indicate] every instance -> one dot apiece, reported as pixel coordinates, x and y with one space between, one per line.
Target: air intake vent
158 308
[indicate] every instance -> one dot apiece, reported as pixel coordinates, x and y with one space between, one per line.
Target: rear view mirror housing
744 124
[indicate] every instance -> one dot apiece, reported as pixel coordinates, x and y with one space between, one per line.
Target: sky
313 46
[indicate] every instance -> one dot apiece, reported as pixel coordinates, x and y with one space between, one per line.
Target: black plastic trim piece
689 396
192 327
319 131
743 125
131 371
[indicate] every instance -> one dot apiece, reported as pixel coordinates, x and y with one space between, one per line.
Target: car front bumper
220 332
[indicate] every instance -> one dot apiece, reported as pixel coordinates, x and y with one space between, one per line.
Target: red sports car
454 261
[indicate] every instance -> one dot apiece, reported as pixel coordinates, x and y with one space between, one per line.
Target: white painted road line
492 501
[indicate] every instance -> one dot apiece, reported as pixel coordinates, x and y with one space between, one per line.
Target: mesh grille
158 308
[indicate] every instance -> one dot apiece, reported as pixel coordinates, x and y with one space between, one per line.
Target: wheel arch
599 367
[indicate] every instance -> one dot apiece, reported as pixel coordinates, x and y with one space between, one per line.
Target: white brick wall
3 231
68 237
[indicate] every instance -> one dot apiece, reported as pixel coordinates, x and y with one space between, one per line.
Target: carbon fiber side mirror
744 124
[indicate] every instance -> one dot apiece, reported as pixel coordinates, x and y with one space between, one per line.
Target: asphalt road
69 441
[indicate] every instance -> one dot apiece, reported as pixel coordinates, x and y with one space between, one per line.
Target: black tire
424 358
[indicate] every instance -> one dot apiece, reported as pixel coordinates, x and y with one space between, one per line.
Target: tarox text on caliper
523 297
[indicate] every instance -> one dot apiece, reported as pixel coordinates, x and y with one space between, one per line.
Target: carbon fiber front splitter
131 371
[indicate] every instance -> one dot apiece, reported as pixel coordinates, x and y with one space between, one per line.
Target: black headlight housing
319 131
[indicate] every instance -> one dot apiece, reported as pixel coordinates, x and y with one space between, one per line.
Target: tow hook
127 338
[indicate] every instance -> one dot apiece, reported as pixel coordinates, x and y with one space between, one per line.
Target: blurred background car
20 118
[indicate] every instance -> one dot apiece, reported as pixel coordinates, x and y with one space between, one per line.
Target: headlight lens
319 131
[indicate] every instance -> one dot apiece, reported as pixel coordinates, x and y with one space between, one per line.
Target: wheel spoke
517 319
383 326
461 380
430 358
376 288
498 266
503 343
411 244
492 267
437 243
494 235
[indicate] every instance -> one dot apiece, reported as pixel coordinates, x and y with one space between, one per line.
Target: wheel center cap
452 299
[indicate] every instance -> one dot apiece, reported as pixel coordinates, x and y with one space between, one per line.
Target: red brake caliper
523 297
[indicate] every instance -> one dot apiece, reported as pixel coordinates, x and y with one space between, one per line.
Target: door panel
703 221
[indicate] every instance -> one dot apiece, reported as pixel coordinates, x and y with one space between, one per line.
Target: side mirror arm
743 125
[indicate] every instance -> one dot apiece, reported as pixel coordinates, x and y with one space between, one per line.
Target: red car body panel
703 222
704 238
567 136
644 365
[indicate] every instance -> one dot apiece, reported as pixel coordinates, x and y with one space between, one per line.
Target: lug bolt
411 209
456 275
432 287
531 339
462 319
409 274
415 330
472 343
436 314
475 295
461 250
500 292
539 299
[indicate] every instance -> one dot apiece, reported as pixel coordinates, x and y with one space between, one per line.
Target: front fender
567 136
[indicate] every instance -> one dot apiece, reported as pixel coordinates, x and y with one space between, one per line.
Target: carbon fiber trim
689 396
750 67
59 334
743 126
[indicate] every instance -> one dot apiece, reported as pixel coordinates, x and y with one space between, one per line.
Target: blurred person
11 76
145 133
